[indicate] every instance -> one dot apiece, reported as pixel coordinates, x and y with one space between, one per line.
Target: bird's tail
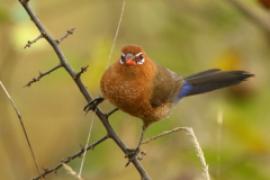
211 80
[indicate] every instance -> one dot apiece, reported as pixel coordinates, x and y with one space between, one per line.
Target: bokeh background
184 35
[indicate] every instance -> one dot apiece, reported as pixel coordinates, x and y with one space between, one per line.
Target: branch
41 75
70 158
29 43
66 35
258 16
13 104
101 115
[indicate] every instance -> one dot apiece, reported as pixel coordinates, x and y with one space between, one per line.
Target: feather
211 80
166 85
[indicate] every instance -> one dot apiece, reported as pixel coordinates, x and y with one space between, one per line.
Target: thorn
41 75
83 70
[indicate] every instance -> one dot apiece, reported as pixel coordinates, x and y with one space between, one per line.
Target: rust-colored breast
130 89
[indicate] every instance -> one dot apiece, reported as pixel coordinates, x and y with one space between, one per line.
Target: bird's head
132 55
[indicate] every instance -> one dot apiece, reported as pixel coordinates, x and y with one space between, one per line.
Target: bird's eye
122 59
139 58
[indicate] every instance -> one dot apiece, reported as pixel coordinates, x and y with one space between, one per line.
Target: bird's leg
92 105
111 112
132 153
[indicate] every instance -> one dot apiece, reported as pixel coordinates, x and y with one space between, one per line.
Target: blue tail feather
210 80
184 91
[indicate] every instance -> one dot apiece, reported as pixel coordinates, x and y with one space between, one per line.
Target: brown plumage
130 88
265 3
140 87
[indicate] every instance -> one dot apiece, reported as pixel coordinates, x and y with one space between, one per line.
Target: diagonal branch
41 75
22 125
70 158
64 62
31 42
66 35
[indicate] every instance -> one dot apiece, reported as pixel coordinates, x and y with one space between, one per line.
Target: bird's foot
92 105
132 154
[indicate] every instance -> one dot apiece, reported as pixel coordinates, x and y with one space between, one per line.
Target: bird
142 88
264 3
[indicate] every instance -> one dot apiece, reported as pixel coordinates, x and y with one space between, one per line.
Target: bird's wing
166 86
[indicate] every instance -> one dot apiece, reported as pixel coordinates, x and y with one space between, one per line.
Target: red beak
130 62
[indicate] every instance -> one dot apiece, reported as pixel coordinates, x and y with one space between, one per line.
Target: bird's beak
130 62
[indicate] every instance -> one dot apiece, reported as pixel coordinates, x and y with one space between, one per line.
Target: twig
30 43
101 115
117 31
13 104
83 70
70 158
195 142
71 171
258 16
66 35
41 75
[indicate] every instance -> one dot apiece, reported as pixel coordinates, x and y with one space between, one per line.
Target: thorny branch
66 35
83 70
41 75
29 43
70 158
101 115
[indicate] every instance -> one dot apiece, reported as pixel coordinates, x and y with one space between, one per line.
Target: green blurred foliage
183 35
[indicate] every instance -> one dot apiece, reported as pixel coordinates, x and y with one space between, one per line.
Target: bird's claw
92 105
131 154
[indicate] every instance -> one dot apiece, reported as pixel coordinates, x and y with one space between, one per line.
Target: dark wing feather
165 86
214 79
207 72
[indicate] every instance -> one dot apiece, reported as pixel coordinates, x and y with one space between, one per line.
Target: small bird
142 88
264 3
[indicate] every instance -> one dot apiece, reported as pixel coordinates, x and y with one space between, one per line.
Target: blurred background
184 35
